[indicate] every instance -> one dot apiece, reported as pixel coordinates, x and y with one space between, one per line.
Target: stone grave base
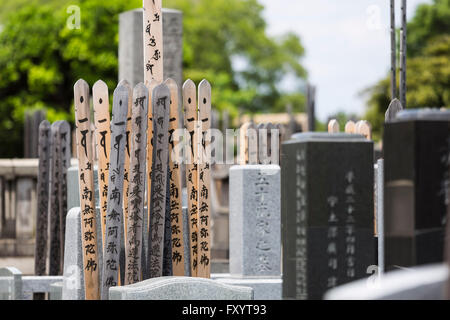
264 288
419 283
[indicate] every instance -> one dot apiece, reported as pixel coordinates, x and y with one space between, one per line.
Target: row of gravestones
334 215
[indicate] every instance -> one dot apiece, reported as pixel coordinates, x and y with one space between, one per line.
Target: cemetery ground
150 192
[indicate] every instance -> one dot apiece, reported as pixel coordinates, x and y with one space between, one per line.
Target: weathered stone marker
416 156
327 212
161 111
204 180
176 215
255 228
100 99
114 217
135 223
191 118
87 197
40 256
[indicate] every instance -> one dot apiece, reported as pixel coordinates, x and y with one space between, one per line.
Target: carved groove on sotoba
175 161
153 41
150 87
204 180
40 256
87 195
112 246
190 121
161 110
100 99
133 245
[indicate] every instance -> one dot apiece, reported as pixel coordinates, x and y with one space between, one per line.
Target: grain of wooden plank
100 98
204 180
153 41
114 218
136 196
175 162
87 195
190 120
161 111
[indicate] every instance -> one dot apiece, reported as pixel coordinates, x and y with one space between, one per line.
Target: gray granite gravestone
180 288
327 212
10 284
73 276
255 227
416 158
255 231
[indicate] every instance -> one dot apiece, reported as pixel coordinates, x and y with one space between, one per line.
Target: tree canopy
428 65
225 41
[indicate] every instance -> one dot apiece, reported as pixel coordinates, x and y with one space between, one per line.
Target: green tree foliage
428 65
225 41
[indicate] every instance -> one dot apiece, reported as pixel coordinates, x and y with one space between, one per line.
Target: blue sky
347 45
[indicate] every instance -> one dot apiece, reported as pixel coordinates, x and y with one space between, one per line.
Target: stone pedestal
417 155
327 212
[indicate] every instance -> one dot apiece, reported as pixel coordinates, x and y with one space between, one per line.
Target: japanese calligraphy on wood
153 41
190 120
204 180
176 219
161 110
86 184
103 143
133 245
115 182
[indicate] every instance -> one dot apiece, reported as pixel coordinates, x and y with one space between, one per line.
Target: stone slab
180 288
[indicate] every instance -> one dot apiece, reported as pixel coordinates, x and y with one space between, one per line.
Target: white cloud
347 45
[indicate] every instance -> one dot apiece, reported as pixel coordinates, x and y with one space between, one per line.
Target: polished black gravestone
417 157
327 212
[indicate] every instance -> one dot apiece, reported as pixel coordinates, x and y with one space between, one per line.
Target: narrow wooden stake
393 53
112 244
252 134
243 143
350 127
161 110
40 256
204 180
333 126
87 195
55 223
136 196
176 214
262 143
190 120
126 180
64 164
363 127
100 99
153 41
